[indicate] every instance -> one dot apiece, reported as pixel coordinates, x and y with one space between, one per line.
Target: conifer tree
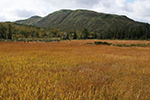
9 32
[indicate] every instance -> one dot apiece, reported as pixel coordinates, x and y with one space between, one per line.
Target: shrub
20 39
104 43
41 40
30 40
2 39
98 42
132 44
121 45
148 44
118 45
128 45
141 45
48 40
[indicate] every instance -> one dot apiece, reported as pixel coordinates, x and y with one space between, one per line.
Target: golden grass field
73 70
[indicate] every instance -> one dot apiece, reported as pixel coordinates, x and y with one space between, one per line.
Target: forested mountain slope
105 25
81 24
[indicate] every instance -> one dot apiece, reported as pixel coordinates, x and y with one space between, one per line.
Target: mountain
30 21
76 24
70 20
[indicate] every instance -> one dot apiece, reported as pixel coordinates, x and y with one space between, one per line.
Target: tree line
13 31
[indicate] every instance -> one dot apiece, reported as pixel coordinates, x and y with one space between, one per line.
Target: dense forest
16 32
13 31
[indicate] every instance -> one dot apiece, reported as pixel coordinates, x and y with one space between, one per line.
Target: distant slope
67 20
31 21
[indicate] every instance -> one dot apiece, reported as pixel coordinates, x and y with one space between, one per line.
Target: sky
12 10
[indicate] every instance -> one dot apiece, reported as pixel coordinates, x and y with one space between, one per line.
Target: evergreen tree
75 35
146 31
3 31
85 33
122 32
9 32
133 34
139 32
67 37
95 35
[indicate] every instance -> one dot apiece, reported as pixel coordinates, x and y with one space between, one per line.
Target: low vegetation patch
132 45
103 43
121 45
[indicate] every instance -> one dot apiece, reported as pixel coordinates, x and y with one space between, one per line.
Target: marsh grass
71 70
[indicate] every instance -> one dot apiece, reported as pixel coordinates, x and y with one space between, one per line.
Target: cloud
17 9
72 4
24 13
87 3
2 18
137 10
140 10
112 6
108 6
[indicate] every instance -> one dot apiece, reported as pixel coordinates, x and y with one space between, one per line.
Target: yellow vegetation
71 70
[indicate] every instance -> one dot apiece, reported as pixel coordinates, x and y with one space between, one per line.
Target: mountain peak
30 21
36 16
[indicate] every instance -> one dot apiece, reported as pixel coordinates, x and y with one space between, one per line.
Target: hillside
76 24
79 19
30 21
101 24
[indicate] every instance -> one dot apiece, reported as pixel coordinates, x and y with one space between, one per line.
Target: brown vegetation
72 70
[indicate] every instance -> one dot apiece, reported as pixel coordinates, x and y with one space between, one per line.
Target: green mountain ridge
103 25
75 24
79 19
30 21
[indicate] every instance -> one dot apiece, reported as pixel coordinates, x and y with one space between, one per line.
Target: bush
98 42
104 43
118 45
128 45
30 40
20 39
133 44
122 45
41 40
148 44
48 40
2 39
141 45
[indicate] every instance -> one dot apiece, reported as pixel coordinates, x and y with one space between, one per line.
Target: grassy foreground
71 70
